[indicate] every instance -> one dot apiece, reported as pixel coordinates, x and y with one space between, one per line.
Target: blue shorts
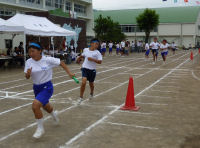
89 74
110 49
164 53
147 52
117 49
43 92
103 50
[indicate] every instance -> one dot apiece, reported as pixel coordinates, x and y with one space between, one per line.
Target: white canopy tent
6 26
38 26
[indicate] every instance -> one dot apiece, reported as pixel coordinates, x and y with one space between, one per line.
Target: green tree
108 30
147 21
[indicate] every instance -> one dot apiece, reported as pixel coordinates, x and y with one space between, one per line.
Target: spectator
21 48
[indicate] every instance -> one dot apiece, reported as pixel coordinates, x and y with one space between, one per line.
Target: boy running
155 47
92 57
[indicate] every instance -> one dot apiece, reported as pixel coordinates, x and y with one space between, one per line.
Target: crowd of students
125 47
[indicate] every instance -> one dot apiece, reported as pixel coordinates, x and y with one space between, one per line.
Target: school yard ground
168 96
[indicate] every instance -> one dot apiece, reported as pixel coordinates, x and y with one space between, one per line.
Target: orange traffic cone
130 99
191 56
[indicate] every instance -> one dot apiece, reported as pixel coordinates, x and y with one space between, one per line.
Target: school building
178 24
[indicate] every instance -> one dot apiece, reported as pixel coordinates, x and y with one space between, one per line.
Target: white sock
40 123
53 114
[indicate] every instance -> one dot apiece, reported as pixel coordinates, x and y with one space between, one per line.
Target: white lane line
64 110
130 125
15 108
130 112
163 91
160 97
17 86
22 129
17 98
168 86
157 104
168 82
194 76
113 111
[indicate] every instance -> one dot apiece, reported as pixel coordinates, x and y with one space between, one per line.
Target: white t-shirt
93 54
132 44
123 44
164 48
154 45
42 69
104 45
147 46
173 45
117 46
110 45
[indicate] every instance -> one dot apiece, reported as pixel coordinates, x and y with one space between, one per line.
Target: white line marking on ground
163 91
158 104
155 97
31 125
168 86
195 76
140 113
3 138
113 111
131 125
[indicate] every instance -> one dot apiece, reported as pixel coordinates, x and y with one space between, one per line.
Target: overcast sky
134 4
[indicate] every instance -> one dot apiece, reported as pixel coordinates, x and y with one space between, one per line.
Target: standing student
155 47
147 49
104 48
39 68
92 57
117 48
173 46
164 50
110 45
123 44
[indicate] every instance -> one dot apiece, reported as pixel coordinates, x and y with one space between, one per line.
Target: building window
58 3
68 5
49 3
7 12
1 11
31 1
79 8
128 28
8 43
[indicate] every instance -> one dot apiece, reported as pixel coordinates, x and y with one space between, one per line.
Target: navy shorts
155 51
89 74
110 49
43 92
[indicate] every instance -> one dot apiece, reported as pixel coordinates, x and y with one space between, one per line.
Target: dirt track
167 94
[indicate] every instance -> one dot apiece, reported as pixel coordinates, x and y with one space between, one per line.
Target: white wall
169 29
16 41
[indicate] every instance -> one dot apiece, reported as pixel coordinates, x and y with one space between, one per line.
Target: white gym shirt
42 69
93 54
